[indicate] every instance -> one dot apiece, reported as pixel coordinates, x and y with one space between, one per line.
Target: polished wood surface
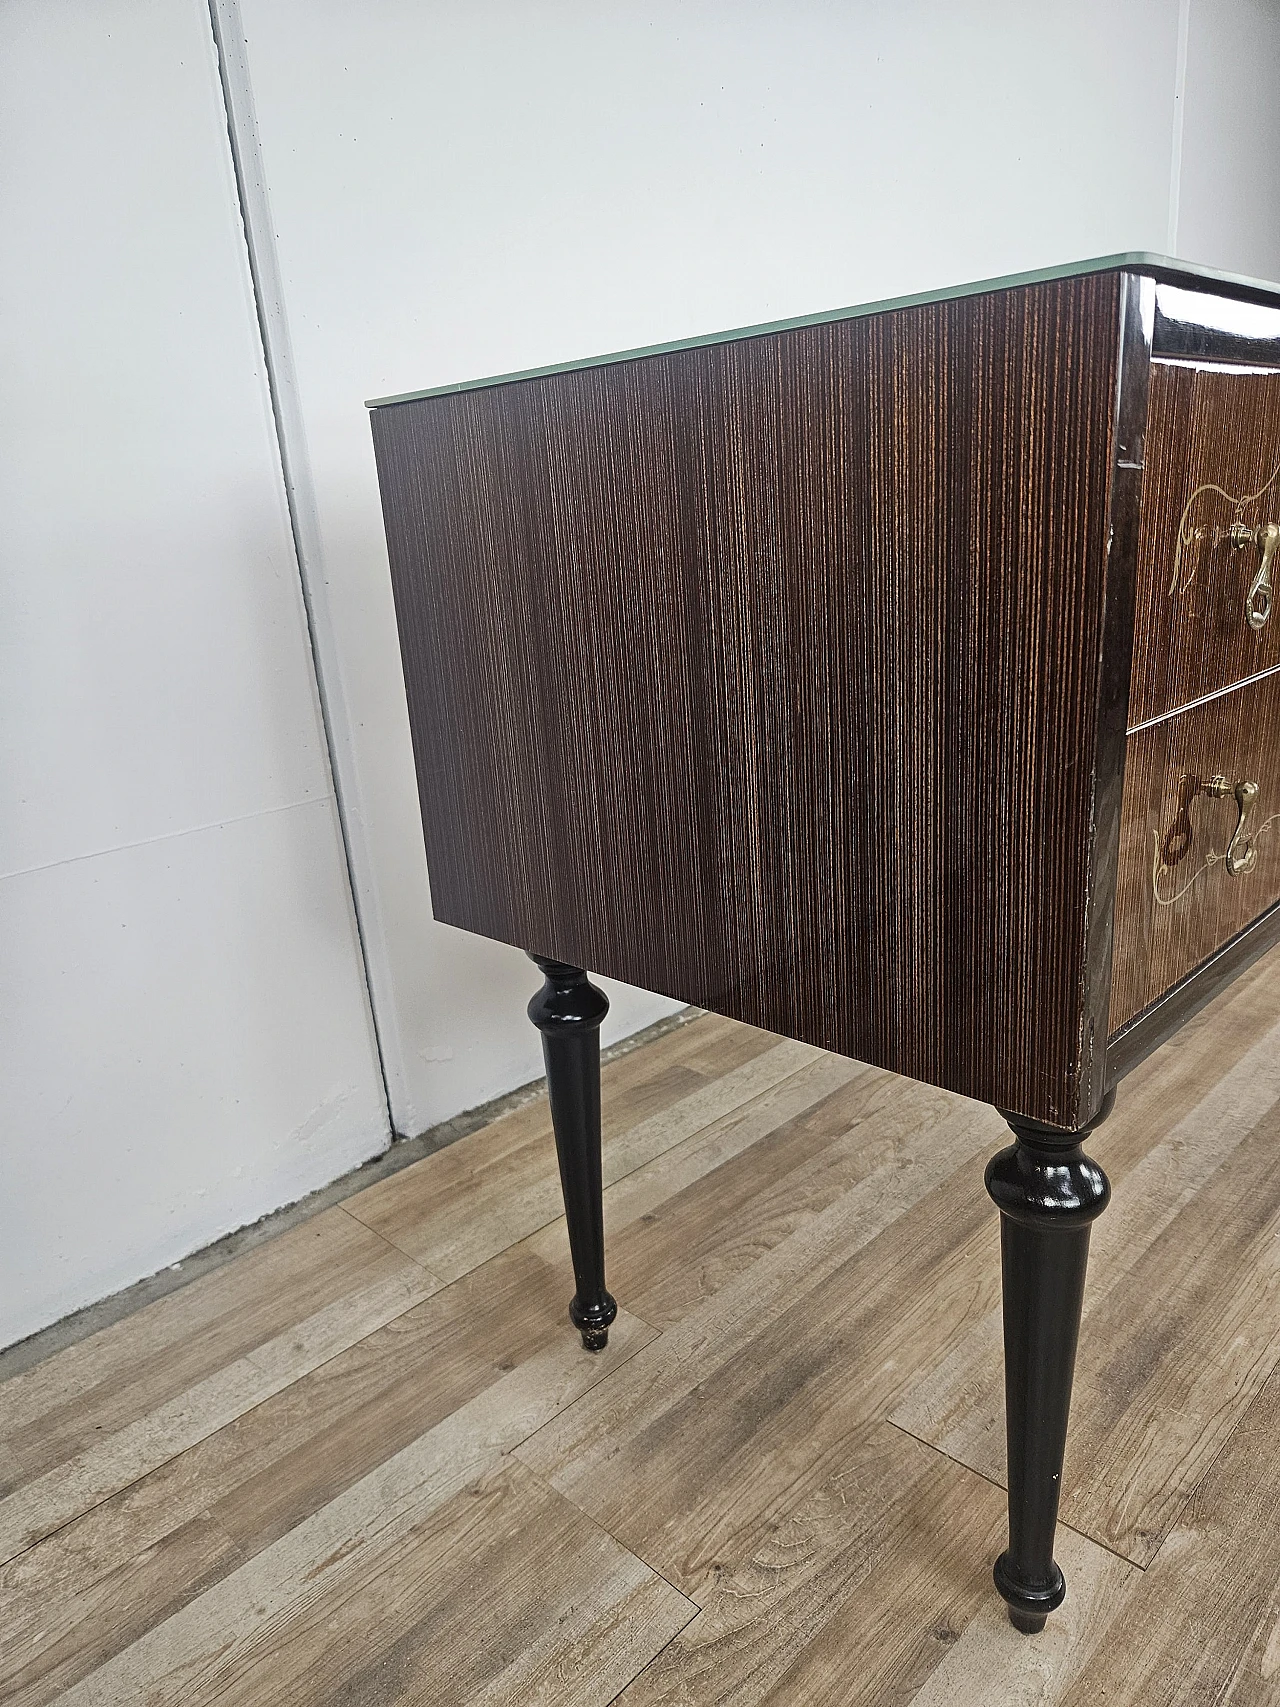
1209 427
1176 900
1157 1024
799 1410
1049 1193
769 674
1199 321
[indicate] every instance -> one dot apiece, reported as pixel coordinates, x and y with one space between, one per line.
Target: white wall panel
189 1049
185 1034
154 671
1229 193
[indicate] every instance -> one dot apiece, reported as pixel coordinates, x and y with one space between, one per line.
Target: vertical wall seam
1179 109
264 275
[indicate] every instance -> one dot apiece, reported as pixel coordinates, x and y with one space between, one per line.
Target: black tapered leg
1048 1193
567 1010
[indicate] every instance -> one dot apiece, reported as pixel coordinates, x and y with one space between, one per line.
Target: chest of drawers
903 680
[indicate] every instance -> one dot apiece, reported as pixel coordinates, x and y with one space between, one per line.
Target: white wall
1228 205
462 190
185 1028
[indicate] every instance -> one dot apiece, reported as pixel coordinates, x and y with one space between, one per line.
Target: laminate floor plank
64 1617
818 1103
310 1617
714 1229
875 1587
1202 1628
700 1439
993 1665
11 1472
455 1209
154 1394
84 1593
51 1411
1175 1352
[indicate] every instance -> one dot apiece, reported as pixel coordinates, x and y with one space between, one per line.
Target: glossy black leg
567 1010
1048 1192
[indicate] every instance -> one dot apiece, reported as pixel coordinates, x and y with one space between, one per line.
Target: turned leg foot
1048 1193
567 1010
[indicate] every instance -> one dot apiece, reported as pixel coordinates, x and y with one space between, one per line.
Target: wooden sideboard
903 680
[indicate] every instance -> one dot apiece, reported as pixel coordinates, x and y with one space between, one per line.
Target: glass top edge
977 287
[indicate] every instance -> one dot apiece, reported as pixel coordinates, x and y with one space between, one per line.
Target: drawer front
1199 840
1210 488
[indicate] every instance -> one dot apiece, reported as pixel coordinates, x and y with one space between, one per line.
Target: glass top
1136 260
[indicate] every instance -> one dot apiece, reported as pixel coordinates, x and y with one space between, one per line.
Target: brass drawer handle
1242 850
1266 536
1241 854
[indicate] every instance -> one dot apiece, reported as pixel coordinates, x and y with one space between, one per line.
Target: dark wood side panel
766 674
1213 458
1176 900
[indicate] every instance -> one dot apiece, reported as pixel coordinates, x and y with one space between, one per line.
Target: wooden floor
368 1462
